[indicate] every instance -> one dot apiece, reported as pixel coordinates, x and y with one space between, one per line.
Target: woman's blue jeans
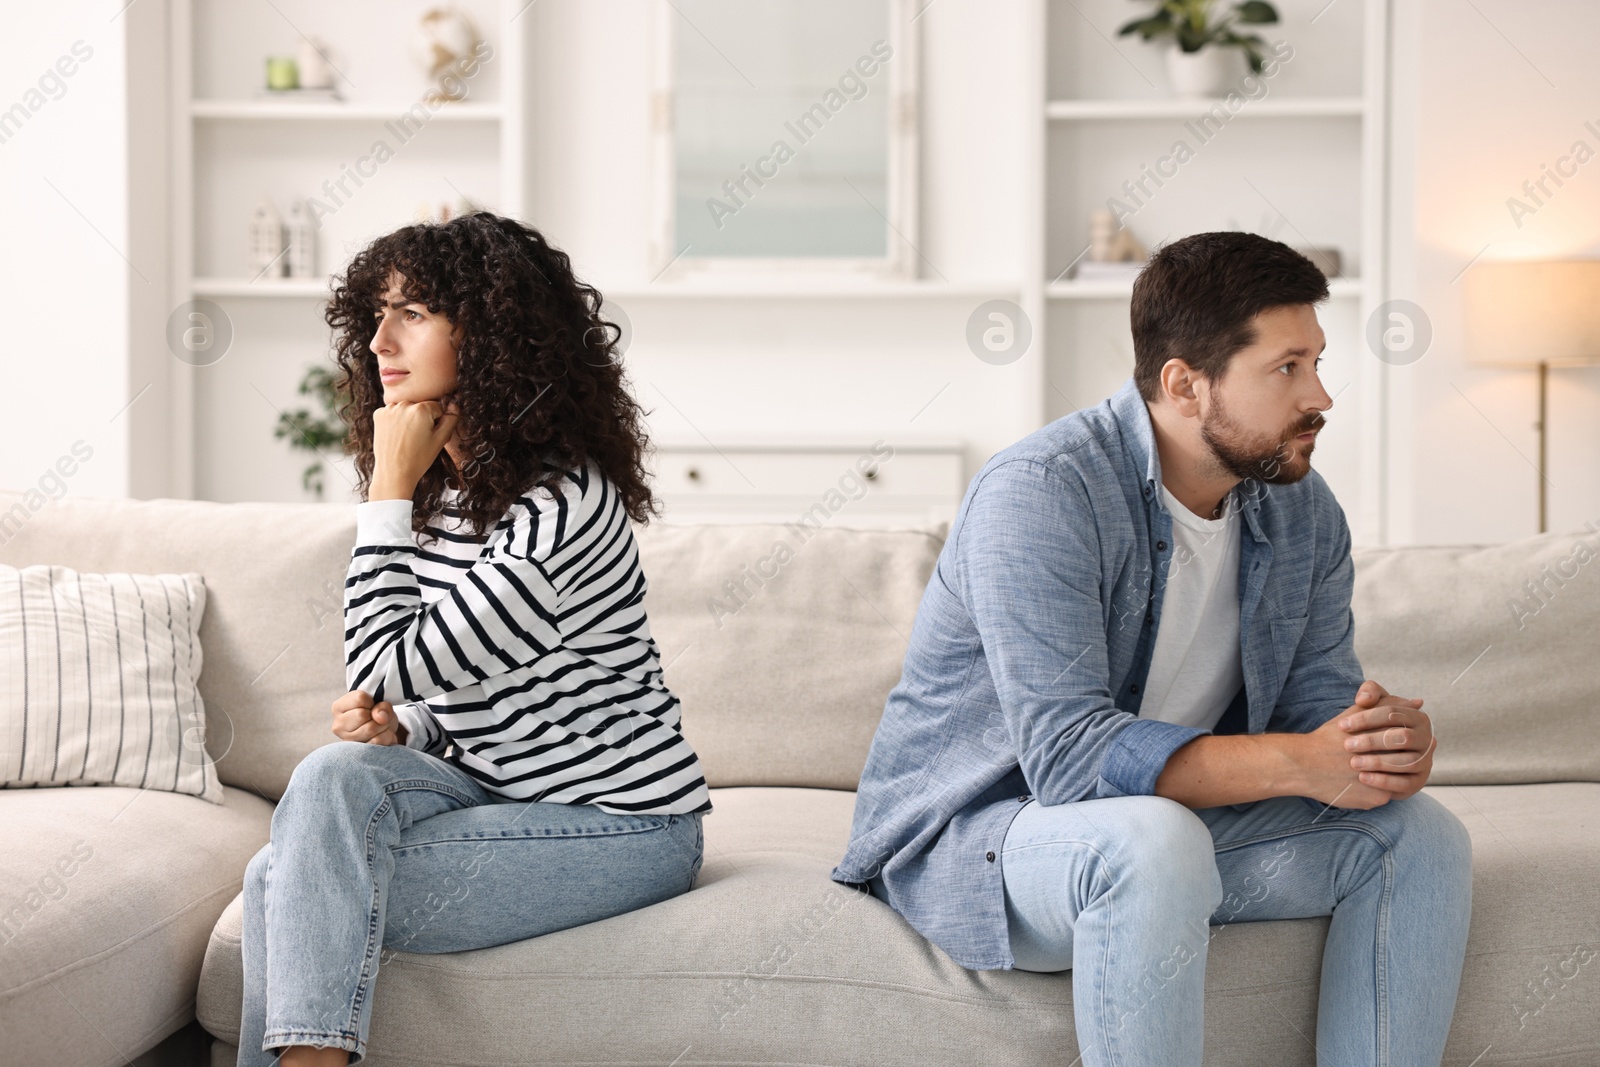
382 848
1135 888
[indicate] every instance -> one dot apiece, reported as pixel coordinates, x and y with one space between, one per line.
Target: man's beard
1273 460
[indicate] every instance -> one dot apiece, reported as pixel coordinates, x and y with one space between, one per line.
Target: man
1131 709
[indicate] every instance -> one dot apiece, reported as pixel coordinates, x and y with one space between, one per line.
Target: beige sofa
767 960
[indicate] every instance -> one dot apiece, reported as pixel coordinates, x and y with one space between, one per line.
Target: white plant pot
1209 72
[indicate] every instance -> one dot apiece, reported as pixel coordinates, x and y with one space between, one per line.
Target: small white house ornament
302 257
266 241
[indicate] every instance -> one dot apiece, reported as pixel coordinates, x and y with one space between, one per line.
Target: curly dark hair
540 386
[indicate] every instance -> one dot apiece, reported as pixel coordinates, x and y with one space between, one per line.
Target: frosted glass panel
781 127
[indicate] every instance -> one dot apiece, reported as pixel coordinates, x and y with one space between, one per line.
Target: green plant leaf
311 478
1250 42
318 432
1154 26
1257 12
1191 24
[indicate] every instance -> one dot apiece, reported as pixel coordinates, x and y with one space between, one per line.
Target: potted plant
1193 69
314 433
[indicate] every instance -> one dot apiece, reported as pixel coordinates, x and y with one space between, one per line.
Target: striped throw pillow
98 678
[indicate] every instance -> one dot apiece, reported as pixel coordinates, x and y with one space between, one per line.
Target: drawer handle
870 474
693 474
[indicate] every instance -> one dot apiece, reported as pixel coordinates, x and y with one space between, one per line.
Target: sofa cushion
783 641
1501 642
767 959
98 680
107 898
1531 983
773 698
273 632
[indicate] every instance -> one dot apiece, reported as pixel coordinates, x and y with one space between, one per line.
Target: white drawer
807 475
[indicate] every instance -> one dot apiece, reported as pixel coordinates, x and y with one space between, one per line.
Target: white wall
68 270
1485 94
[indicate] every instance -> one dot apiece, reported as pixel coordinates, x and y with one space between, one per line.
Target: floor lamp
1534 313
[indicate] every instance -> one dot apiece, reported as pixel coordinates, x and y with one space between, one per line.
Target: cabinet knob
693 474
870 474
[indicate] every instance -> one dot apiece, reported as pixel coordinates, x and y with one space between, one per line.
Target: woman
512 762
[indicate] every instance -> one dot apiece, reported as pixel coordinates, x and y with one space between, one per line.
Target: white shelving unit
1303 161
230 147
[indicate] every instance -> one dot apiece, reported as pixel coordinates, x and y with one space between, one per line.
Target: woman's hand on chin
406 438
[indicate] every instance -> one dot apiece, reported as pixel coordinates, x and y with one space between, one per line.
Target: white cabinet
846 483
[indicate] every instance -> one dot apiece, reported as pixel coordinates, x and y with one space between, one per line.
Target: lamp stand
1544 393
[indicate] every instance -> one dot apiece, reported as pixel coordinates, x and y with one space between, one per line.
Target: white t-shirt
1195 669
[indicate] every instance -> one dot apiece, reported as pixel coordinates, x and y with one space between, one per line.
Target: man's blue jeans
1134 887
373 840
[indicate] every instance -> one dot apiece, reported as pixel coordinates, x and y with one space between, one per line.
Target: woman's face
416 348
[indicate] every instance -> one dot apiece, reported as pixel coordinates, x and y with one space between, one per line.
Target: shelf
1086 110
337 111
786 443
269 287
1338 288
318 287
809 289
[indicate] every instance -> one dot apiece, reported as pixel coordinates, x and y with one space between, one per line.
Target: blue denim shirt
1031 645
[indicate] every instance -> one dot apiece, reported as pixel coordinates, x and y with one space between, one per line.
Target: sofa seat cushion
107 897
766 960
1530 986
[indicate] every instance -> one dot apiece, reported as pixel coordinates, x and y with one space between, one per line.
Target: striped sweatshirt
526 659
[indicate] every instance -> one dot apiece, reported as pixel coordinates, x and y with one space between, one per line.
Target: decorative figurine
266 241
444 40
1108 244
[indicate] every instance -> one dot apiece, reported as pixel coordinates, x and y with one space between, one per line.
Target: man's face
1261 417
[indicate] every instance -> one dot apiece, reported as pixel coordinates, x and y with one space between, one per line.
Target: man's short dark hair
1195 298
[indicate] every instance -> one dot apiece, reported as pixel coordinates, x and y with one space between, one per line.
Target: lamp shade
1524 312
